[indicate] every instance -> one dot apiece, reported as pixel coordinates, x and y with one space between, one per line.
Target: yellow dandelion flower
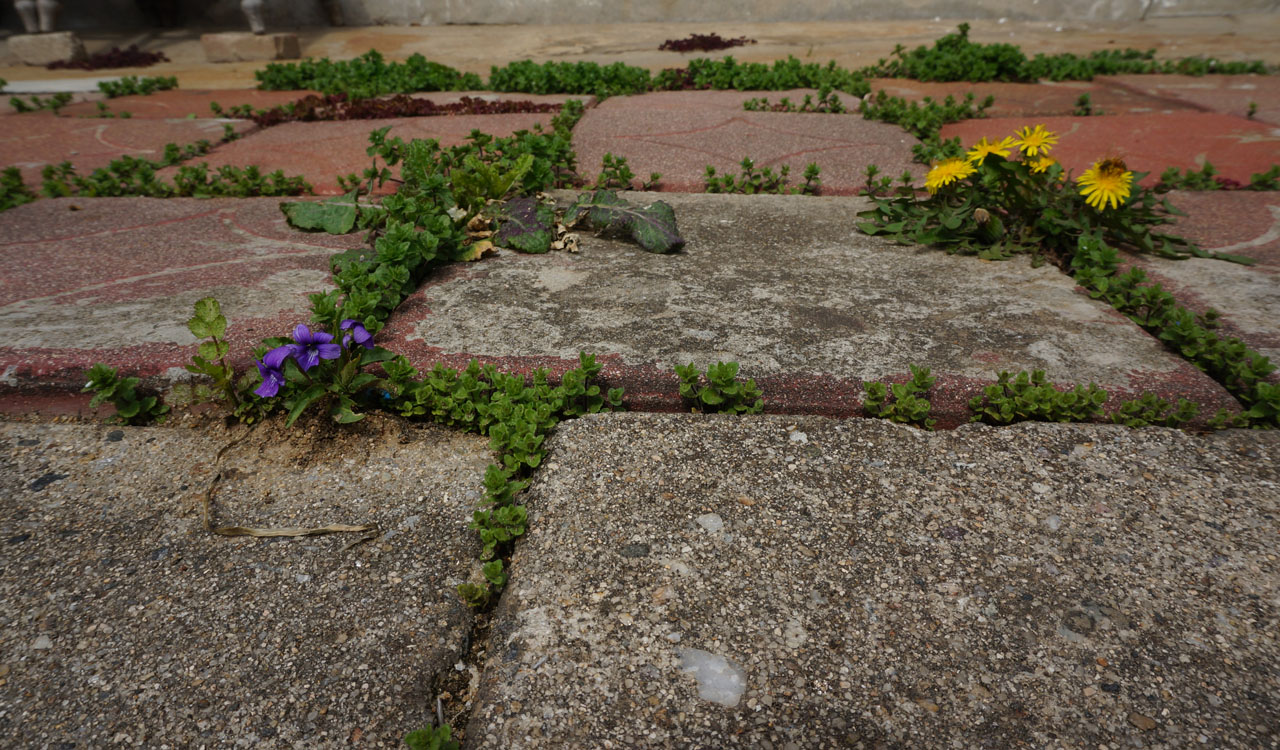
1107 181
984 147
1035 142
1042 164
946 172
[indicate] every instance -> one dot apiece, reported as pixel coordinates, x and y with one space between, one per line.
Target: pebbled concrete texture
31 141
321 151
1237 147
679 138
788 287
862 584
115 279
128 624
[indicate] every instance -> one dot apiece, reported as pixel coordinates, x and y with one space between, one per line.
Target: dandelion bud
981 216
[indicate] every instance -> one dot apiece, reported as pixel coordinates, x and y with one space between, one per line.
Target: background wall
85 15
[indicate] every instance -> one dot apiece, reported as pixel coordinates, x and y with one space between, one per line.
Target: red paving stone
114 280
1225 94
183 102
668 101
681 141
1237 147
1042 99
320 151
32 141
1248 297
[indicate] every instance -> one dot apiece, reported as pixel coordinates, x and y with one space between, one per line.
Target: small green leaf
335 216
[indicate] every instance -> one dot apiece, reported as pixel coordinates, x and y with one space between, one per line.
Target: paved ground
128 624
805 583
785 581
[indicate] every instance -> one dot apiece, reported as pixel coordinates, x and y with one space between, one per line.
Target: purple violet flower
359 334
311 347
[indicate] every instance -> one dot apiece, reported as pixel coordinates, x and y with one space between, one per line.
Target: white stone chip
719 680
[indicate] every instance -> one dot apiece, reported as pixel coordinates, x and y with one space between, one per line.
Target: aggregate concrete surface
127 624
788 287
785 582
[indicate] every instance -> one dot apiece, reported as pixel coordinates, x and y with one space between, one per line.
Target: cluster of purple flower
307 349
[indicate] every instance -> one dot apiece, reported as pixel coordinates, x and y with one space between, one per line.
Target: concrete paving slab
1229 95
127 623
809 306
321 151
1237 147
679 138
1044 99
32 141
114 280
1248 297
778 582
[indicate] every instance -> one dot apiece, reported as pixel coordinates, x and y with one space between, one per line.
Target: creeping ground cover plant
1010 196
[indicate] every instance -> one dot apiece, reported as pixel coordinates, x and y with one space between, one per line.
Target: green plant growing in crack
13 191
1151 410
721 393
765 181
132 406
925 119
54 103
615 174
902 403
1027 397
133 86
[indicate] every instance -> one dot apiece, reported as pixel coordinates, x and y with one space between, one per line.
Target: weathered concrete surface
239 46
877 586
1044 99
788 287
32 141
125 623
1242 222
1236 147
42 49
323 151
114 280
679 139
1226 94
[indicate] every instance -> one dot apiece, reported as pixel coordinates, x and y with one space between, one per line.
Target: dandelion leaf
527 226
652 227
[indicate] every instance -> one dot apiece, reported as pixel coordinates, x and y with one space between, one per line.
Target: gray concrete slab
126 624
788 287
773 582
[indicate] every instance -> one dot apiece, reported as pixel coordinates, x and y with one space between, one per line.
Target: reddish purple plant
339 107
704 43
113 58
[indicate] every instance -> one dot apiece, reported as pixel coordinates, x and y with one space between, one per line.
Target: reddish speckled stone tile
115 281
1148 143
321 151
32 141
1043 99
679 137
1225 94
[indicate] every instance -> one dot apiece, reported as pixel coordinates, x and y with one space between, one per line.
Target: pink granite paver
678 137
183 102
1044 99
321 151
32 141
85 280
1248 297
1225 94
1236 147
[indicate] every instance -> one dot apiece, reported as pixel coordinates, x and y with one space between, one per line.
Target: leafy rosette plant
316 365
1006 197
